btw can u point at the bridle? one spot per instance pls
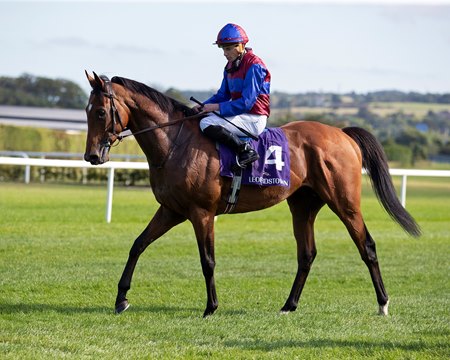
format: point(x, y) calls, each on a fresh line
point(115, 116)
point(110, 94)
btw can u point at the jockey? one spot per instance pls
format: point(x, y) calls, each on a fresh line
point(243, 97)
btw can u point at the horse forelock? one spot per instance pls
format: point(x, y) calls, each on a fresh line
point(164, 102)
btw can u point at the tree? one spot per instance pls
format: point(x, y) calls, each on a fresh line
point(29, 90)
point(416, 141)
point(336, 101)
point(399, 153)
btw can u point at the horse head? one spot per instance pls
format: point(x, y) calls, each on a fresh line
point(107, 116)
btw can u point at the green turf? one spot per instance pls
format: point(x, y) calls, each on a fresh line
point(60, 264)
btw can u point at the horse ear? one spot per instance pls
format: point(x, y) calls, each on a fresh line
point(100, 84)
point(90, 79)
point(96, 82)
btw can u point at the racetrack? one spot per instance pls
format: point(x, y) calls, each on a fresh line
point(60, 264)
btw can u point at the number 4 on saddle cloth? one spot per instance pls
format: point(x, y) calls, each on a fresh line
point(272, 168)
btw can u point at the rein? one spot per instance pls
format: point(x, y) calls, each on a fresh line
point(158, 126)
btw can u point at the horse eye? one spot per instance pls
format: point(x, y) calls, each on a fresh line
point(101, 113)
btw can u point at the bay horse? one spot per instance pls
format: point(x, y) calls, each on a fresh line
point(326, 166)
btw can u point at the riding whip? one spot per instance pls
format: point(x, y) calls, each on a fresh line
point(224, 118)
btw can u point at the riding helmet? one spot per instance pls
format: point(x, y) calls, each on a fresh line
point(231, 34)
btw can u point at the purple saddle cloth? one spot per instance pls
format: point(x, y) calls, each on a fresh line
point(273, 166)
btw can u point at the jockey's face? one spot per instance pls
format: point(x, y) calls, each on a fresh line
point(232, 51)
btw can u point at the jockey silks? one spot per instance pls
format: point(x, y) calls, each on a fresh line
point(248, 88)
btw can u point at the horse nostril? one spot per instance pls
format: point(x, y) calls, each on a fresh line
point(92, 158)
point(95, 159)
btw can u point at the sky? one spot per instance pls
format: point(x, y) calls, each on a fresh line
point(337, 46)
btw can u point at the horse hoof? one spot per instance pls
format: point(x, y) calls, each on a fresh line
point(121, 307)
point(208, 312)
point(286, 309)
point(383, 309)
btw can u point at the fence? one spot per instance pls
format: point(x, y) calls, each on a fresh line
point(112, 165)
point(58, 155)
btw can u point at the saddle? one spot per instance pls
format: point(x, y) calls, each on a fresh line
point(271, 169)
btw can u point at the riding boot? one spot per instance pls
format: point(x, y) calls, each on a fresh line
point(246, 155)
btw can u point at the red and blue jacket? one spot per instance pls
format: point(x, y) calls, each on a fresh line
point(247, 90)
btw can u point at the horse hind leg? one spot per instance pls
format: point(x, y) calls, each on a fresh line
point(369, 256)
point(367, 249)
point(342, 194)
point(304, 205)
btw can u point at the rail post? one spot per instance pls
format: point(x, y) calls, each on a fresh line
point(109, 195)
point(403, 192)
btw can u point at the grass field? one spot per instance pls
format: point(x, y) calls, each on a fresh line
point(60, 263)
point(419, 110)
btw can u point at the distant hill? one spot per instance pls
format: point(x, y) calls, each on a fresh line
point(281, 100)
point(30, 90)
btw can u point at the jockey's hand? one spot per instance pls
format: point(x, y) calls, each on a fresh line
point(198, 108)
point(211, 107)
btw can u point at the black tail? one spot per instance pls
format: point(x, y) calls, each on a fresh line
point(374, 161)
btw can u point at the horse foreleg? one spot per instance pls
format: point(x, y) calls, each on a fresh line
point(304, 206)
point(203, 223)
point(162, 221)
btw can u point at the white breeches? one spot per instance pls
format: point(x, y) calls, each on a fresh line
point(254, 124)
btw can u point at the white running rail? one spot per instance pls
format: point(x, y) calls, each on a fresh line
point(112, 165)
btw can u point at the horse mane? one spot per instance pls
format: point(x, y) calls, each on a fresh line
point(165, 103)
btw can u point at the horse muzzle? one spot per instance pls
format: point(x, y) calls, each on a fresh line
point(98, 156)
